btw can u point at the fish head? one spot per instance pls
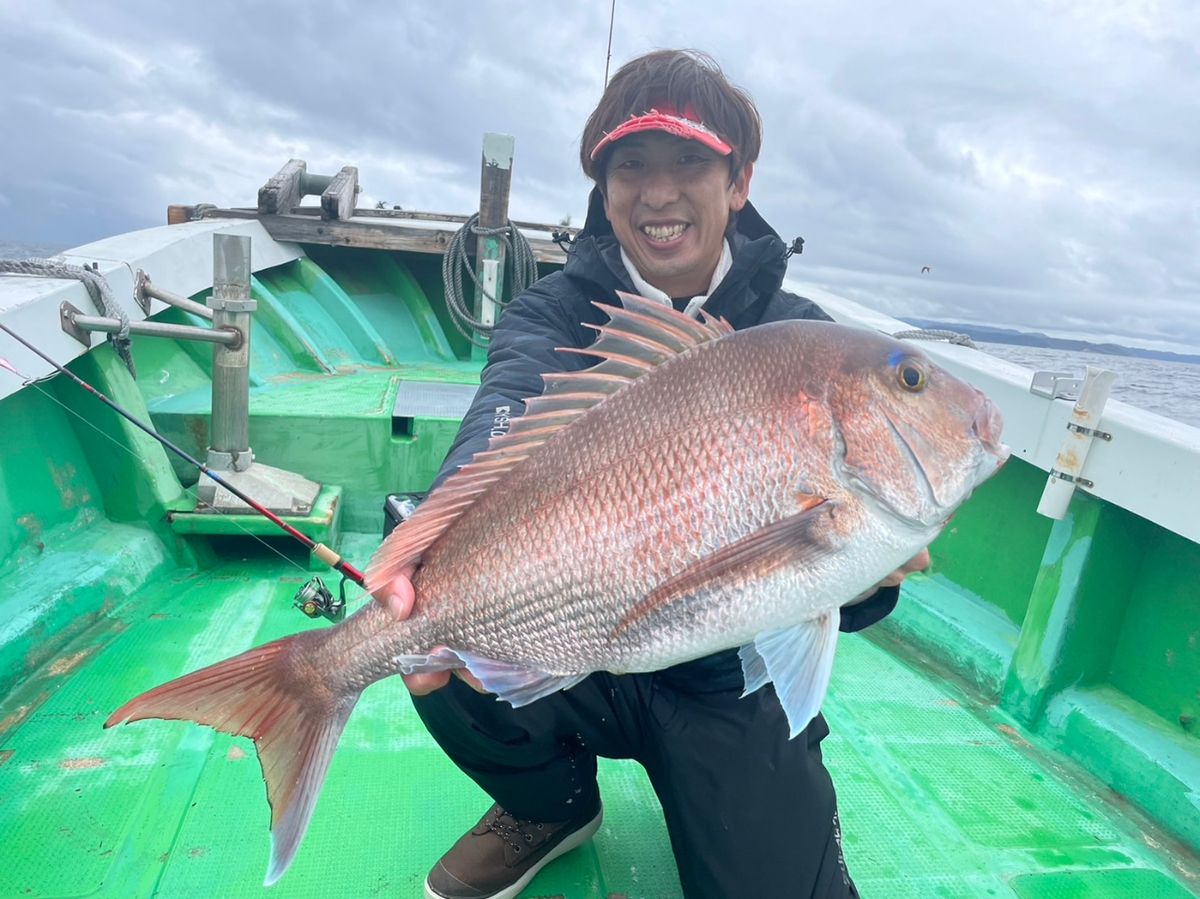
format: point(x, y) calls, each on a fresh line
point(911, 436)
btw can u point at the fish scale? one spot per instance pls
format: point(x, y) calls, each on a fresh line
point(700, 520)
point(697, 490)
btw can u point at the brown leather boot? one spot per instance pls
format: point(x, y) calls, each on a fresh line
point(498, 857)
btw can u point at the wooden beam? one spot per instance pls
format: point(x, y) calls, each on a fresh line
point(380, 235)
point(282, 191)
point(416, 216)
point(495, 181)
point(337, 202)
point(307, 229)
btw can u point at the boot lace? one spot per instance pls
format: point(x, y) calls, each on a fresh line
point(518, 833)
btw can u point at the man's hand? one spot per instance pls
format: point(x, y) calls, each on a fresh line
point(919, 562)
point(398, 598)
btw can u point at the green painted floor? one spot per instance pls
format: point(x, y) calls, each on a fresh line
point(939, 798)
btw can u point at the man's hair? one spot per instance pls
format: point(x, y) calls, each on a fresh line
point(678, 78)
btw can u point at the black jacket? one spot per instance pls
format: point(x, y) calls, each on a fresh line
point(551, 314)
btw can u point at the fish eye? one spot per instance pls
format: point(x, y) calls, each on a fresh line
point(911, 376)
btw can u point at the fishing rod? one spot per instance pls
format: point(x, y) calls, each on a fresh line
point(314, 598)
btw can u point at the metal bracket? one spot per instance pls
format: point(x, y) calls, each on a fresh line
point(66, 315)
point(1062, 475)
point(140, 280)
point(1056, 385)
point(1088, 432)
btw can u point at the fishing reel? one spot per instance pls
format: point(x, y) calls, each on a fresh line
point(315, 600)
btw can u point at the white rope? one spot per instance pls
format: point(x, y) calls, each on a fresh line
point(97, 288)
point(934, 334)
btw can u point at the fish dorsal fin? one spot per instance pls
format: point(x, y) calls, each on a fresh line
point(640, 335)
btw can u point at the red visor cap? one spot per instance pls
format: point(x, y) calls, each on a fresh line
point(684, 124)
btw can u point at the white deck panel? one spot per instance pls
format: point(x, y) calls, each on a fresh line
point(178, 258)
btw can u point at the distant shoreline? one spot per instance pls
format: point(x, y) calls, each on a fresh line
point(989, 334)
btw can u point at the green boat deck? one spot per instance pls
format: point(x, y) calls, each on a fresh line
point(940, 795)
point(1023, 726)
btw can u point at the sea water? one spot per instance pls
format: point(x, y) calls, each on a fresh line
point(1168, 388)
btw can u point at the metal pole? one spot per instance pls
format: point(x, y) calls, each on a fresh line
point(314, 184)
point(75, 321)
point(143, 288)
point(231, 305)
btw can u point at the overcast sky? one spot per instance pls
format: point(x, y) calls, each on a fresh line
point(1043, 158)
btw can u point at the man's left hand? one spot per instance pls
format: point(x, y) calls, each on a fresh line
point(919, 562)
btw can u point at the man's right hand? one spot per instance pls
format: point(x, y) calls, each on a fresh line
point(398, 598)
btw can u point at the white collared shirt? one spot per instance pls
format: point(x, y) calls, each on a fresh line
point(650, 292)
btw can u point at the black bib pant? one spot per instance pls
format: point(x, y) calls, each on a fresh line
point(750, 813)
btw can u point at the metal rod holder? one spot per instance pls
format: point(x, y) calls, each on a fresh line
point(79, 325)
point(231, 306)
point(144, 290)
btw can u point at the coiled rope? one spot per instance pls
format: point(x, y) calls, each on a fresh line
point(97, 288)
point(934, 334)
point(519, 261)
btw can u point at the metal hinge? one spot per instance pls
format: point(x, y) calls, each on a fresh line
point(1056, 385)
point(1088, 432)
point(1062, 475)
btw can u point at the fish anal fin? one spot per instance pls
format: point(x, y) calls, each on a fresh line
point(790, 540)
point(516, 684)
point(799, 661)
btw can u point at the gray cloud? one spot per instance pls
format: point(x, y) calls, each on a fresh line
point(1042, 158)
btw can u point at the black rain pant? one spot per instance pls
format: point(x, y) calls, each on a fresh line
point(750, 813)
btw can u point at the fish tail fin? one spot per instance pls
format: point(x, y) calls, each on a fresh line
point(272, 695)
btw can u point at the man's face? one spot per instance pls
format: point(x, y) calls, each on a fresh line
point(669, 202)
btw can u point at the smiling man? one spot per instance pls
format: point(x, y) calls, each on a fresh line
point(669, 201)
point(671, 148)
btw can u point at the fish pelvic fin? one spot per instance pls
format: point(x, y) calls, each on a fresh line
point(793, 539)
point(640, 335)
point(799, 661)
point(294, 721)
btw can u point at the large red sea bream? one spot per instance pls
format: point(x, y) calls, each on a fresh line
point(699, 489)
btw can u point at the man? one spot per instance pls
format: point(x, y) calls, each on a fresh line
point(671, 147)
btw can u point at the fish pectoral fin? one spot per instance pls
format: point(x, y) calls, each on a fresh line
point(754, 669)
point(799, 661)
point(793, 539)
point(516, 684)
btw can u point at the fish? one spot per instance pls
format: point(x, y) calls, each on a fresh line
point(696, 490)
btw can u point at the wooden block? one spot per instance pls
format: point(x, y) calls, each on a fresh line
point(337, 201)
point(282, 192)
point(177, 215)
point(495, 180)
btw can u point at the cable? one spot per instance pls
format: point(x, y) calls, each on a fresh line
point(519, 259)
